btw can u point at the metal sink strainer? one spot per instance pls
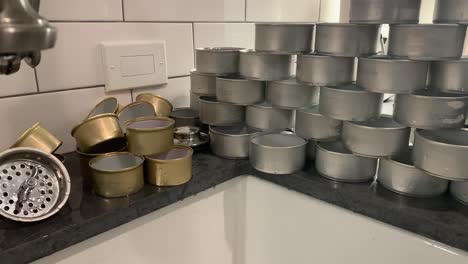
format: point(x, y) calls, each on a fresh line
point(34, 185)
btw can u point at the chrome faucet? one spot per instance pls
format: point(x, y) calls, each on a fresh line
point(23, 34)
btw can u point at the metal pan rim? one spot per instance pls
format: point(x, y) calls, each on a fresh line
point(219, 49)
point(112, 154)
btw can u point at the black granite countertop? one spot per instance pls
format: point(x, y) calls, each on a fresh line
point(87, 215)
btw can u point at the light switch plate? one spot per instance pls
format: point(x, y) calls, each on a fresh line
point(134, 64)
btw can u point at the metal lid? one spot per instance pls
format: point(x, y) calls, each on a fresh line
point(189, 136)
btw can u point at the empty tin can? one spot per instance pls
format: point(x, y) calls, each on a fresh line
point(382, 74)
point(322, 70)
point(231, 142)
point(426, 41)
point(38, 137)
point(202, 83)
point(219, 60)
point(239, 91)
point(443, 153)
point(399, 175)
point(346, 40)
point(381, 137)
point(290, 94)
point(384, 11)
point(277, 37)
point(107, 106)
point(459, 190)
point(133, 111)
point(266, 66)
point(185, 116)
point(350, 102)
point(195, 101)
point(162, 106)
point(335, 162)
point(451, 11)
point(310, 124)
point(449, 76)
point(217, 113)
point(277, 153)
point(150, 135)
point(265, 117)
point(430, 109)
point(170, 168)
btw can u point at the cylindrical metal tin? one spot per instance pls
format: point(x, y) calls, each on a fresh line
point(384, 11)
point(459, 190)
point(117, 174)
point(277, 37)
point(133, 111)
point(426, 41)
point(86, 157)
point(350, 102)
point(431, 109)
point(185, 116)
point(217, 113)
point(190, 136)
point(449, 76)
point(451, 11)
point(310, 124)
point(381, 137)
point(107, 106)
point(265, 66)
point(335, 162)
point(398, 174)
point(346, 40)
point(322, 70)
point(38, 137)
point(170, 168)
point(277, 153)
point(290, 94)
point(443, 153)
point(382, 74)
point(223, 60)
point(150, 135)
point(231, 142)
point(195, 101)
point(266, 117)
point(98, 134)
point(239, 91)
point(202, 83)
point(162, 106)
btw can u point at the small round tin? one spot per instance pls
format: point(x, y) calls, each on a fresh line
point(449, 76)
point(217, 113)
point(170, 168)
point(265, 117)
point(133, 111)
point(310, 124)
point(451, 12)
point(322, 70)
point(218, 60)
point(290, 94)
point(185, 116)
point(195, 101)
point(266, 66)
point(38, 137)
point(202, 83)
point(239, 91)
point(150, 135)
point(162, 106)
point(109, 105)
point(384, 11)
point(231, 142)
point(277, 37)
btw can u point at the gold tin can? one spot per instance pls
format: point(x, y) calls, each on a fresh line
point(98, 134)
point(162, 106)
point(170, 168)
point(107, 106)
point(133, 111)
point(117, 174)
point(150, 135)
point(86, 157)
point(38, 137)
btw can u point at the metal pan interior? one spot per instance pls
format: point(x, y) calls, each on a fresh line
point(233, 130)
point(281, 141)
point(434, 94)
point(135, 110)
point(184, 113)
point(116, 163)
point(173, 154)
point(106, 106)
point(384, 122)
point(335, 147)
point(455, 138)
point(220, 49)
point(150, 124)
point(208, 99)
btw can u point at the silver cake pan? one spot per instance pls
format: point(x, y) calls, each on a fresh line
point(459, 190)
point(231, 142)
point(335, 162)
point(277, 37)
point(266, 66)
point(290, 94)
point(310, 124)
point(384, 11)
point(195, 101)
point(218, 60)
point(382, 74)
point(266, 117)
point(449, 76)
point(202, 83)
point(216, 113)
point(322, 70)
point(239, 91)
point(350, 103)
point(451, 12)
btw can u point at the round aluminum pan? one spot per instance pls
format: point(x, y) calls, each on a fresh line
point(346, 40)
point(133, 111)
point(443, 153)
point(426, 41)
point(449, 76)
point(195, 101)
point(398, 174)
point(266, 117)
point(203, 83)
point(322, 70)
point(290, 94)
point(217, 113)
point(109, 105)
point(38, 137)
point(185, 116)
point(384, 11)
point(162, 106)
point(430, 109)
point(310, 124)
point(277, 37)
point(277, 153)
point(117, 174)
point(231, 142)
point(335, 162)
point(459, 190)
point(451, 12)
point(381, 137)
point(382, 74)
point(350, 103)
point(239, 91)
point(150, 135)
point(170, 168)
point(265, 66)
point(219, 60)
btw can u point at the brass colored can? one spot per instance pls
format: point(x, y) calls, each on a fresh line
point(86, 157)
point(162, 107)
point(150, 135)
point(107, 106)
point(170, 168)
point(117, 174)
point(38, 137)
point(98, 134)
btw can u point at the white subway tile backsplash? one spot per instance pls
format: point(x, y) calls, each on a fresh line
point(59, 112)
point(283, 11)
point(224, 35)
point(184, 10)
point(82, 10)
point(177, 91)
point(75, 61)
point(21, 82)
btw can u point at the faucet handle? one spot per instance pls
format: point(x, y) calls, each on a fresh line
point(10, 63)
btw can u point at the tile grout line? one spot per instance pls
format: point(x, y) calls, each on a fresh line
point(193, 43)
point(320, 11)
point(245, 10)
point(144, 22)
point(123, 10)
point(37, 80)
